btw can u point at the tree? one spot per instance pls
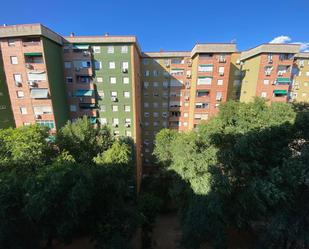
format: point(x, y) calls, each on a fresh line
point(236, 175)
point(83, 140)
point(26, 146)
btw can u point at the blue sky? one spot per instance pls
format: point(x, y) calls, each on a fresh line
point(169, 24)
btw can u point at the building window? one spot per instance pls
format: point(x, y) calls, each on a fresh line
point(127, 108)
point(263, 94)
point(112, 65)
point(147, 73)
point(96, 49)
point(125, 80)
point(155, 84)
point(11, 42)
point(201, 105)
point(155, 123)
point(115, 122)
point(155, 105)
point(237, 72)
point(69, 80)
point(266, 82)
point(124, 49)
point(125, 65)
point(23, 110)
point(236, 83)
point(102, 108)
point(115, 108)
point(49, 123)
point(40, 110)
point(146, 114)
point(220, 82)
point(146, 84)
point(112, 80)
point(155, 73)
point(205, 68)
point(97, 65)
point(146, 105)
point(114, 94)
point(155, 114)
point(204, 81)
point(103, 121)
point(221, 71)
point(67, 64)
point(128, 133)
point(145, 61)
point(218, 96)
point(185, 115)
point(165, 84)
point(20, 94)
point(126, 94)
point(17, 78)
point(73, 108)
point(99, 79)
point(14, 60)
point(110, 49)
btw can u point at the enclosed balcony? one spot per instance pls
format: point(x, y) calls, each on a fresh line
point(34, 58)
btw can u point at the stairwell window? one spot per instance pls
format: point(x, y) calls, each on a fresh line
point(96, 49)
point(110, 49)
point(124, 49)
point(112, 80)
point(112, 65)
point(23, 110)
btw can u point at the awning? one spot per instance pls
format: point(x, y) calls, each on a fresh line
point(33, 54)
point(39, 93)
point(204, 77)
point(281, 92)
point(283, 80)
point(87, 105)
point(80, 46)
point(93, 120)
point(84, 93)
point(36, 71)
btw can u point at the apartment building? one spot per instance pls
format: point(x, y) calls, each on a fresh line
point(300, 86)
point(267, 72)
point(49, 79)
point(31, 55)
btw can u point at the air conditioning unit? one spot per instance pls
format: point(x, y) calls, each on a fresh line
point(29, 66)
point(301, 64)
point(280, 73)
point(86, 53)
point(114, 99)
point(167, 65)
point(190, 63)
point(188, 75)
point(17, 83)
point(222, 60)
point(38, 116)
point(221, 73)
point(32, 83)
point(187, 98)
point(270, 61)
point(218, 98)
point(267, 73)
point(127, 125)
point(115, 125)
point(124, 70)
point(274, 82)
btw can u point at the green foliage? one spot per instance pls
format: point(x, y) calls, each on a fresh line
point(118, 153)
point(240, 169)
point(65, 194)
point(26, 146)
point(82, 140)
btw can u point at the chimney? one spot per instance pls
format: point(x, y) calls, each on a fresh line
point(72, 34)
point(106, 34)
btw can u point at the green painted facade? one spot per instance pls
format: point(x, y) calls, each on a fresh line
point(6, 114)
point(54, 61)
point(105, 103)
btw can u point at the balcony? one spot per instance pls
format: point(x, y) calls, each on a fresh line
point(31, 42)
point(33, 58)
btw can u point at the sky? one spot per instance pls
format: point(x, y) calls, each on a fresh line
point(170, 24)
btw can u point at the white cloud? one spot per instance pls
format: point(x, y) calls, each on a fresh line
point(281, 39)
point(304, 46)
